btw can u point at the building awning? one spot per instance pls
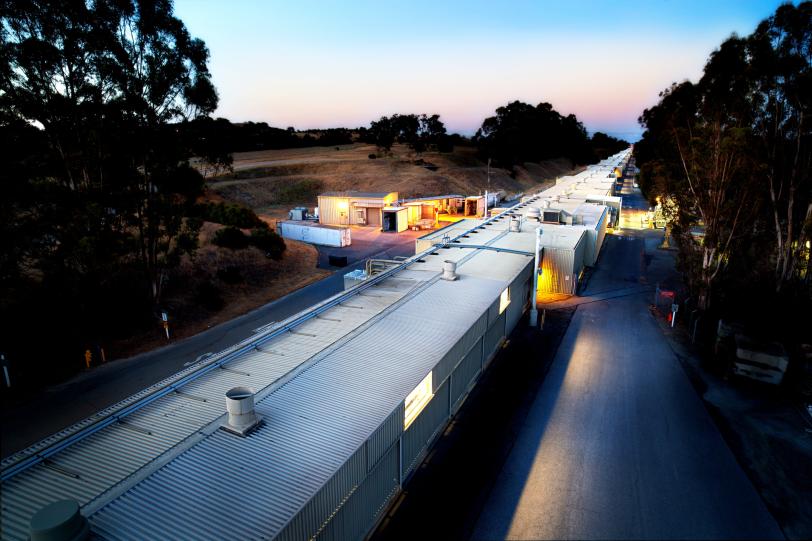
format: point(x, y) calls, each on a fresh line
point(369, 203)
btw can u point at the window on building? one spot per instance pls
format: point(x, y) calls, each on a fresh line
point(504, 300)
point(417, 400)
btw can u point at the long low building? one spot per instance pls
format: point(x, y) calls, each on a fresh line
point(349, 396)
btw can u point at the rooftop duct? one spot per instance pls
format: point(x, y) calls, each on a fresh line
point(240, 406)
point(515, 225)
point(59, 521)
point(449, 271)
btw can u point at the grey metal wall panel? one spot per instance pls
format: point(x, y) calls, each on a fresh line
point(493, 312)
point(417, 437)
point(465, 372)
point(364, 506)
point(384, 437)
point(519, 296)
point(559, 272)
point(314, 515)
point(494, 335)
point(458, 351)
point(602, 225)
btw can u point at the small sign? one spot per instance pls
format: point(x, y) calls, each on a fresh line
point(164, 316)
point(674, 308)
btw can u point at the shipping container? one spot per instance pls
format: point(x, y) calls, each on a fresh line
point(313, 233)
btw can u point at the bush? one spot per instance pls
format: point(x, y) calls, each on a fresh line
point(230, 214)
point(231, 275)
point(230, 237)
point(269, 242)
point(372, 156)
point(208, 296)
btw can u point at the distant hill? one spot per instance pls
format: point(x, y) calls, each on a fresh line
point(272, 181)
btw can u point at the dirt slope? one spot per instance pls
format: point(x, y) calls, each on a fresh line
point(273, 181)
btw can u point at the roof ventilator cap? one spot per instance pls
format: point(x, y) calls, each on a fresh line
point(59, 521)
point(241, 415)
point(449, 270)
point(515, 225)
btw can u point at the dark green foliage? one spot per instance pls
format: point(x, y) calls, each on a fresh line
point(230, 237)
point(95, 206)
point(269, 242)
point(217, 138)
point(230, 214)
point(732, 154)
point(208, 296)
point(605, 145)
point(372, 156)
point(230, 275)
point(523, 133)
point(419, 132)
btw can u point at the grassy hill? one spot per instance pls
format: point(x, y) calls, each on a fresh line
point(273, 181)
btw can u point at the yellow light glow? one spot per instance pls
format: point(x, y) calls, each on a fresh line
point(343, 205)
point(504, 300)
point(417, 400)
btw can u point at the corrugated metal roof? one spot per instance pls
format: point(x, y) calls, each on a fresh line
point(313, 424)
point(323, 387)
point(433, 198)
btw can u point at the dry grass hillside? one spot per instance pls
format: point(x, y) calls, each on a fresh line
point(273, 181)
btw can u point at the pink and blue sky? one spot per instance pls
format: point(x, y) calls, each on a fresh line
point(318, 64)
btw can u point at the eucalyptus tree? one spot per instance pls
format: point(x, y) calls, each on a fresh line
point(108, 81)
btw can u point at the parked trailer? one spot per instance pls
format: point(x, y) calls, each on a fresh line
point(313, 233)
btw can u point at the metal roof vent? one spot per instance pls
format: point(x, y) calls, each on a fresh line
point(449, 270)
point(515, 225)
point(534, 213)
point(59, 521)
point(241, 416)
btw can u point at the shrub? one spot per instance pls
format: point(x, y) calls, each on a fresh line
point(208, 296)
point(269, 242)
point(230, 237)
point(372, 156)
point(230, 214)
point(230, 274)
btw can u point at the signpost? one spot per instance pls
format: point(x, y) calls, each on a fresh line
point(4, 362)
point(165, 318)
point(674, 308)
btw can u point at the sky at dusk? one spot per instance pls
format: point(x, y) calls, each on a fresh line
point(319, 64)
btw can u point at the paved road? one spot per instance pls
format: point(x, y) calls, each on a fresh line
point(617, 444)
point(46, 412)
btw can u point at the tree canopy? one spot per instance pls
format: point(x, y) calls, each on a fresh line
point(94, 100)
point(732, 154)
point(419, 132)
point(520, 132)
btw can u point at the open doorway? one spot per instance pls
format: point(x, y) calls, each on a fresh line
point(390, 222)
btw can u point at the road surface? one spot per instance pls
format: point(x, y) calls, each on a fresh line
point(617, 445)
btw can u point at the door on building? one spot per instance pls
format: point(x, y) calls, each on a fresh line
point(374, 217)
point(361, 216)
